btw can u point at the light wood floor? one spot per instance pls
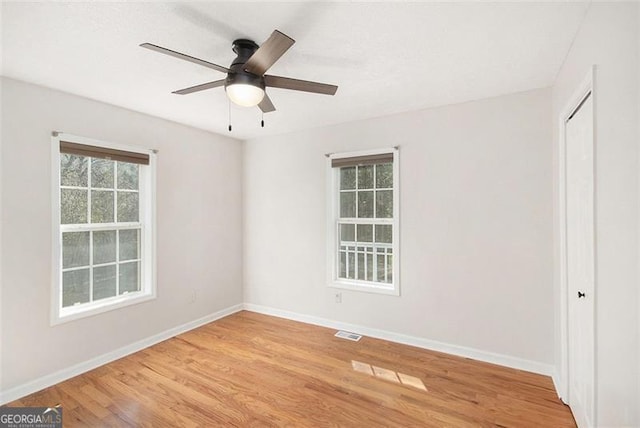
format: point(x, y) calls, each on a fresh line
point(254, 370)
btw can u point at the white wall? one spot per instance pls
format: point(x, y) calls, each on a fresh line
point(476, 225)
point(199, 229)
point(608, 38)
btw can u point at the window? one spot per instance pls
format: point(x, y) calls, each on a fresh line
point(363, 221)
point(104, 226)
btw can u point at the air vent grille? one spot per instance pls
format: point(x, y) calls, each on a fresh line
point(348, 335)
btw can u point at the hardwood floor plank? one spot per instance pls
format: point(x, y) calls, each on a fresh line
point(249, 370)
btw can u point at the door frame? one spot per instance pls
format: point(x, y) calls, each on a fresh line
point(586, 88)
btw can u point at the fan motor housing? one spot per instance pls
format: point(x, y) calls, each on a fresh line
point(244, 48)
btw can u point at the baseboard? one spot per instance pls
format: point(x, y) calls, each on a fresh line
point(555, 377)
point(475, 354)
point(75, 370)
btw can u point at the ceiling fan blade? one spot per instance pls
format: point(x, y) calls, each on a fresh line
point(299, 85)
point(202, 87)
point(185, 57)
point(267, 54)
point(266, 105)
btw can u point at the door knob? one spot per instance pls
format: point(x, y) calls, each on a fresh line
point(580, 294)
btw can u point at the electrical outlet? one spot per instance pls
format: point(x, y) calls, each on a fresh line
point(338, 296)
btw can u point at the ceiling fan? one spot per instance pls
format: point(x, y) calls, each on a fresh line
point(246, 82)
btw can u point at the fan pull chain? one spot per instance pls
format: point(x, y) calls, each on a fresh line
point(262, 121)
point(229, 115)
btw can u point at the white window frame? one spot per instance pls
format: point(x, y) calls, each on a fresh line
point(147, 207)
point(333, 215)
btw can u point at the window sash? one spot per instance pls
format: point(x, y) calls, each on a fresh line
point(89, 188)
point(358, 247)
point(91, 266)
point(89, 227)
point(356, 191)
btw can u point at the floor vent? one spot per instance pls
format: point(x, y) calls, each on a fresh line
point(347, 335)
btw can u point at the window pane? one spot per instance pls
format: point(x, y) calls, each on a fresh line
point(361, 266)
point(370, 267)
point(75, 249)
point(365, 177)
point(343, 265)
point(75, 287)
point(384, 204)
point(365, 233)
point(101, 206)
point(73, 170)
point(347, 232)
point(347, 204)
point(384, 233)
point(127, 206)
point(73, 207)
point(389, 268)
point(104, 282)
point(365, 204)
point(128, 175)
point(129, 277)
point(351, 267)
point(384, 175)
point(380, 268)
point(348, 178)
point(129, 244)
point(102, 173)
point(104, 246)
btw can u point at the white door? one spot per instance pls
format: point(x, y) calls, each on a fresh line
point(580, 262)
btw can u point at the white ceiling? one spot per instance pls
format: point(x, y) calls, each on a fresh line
point(386, 57)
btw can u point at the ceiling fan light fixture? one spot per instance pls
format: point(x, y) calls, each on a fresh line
point(245, 94)
point(246, 79)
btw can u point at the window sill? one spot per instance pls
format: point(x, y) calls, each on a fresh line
point(391, 289)
point(60, 316)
